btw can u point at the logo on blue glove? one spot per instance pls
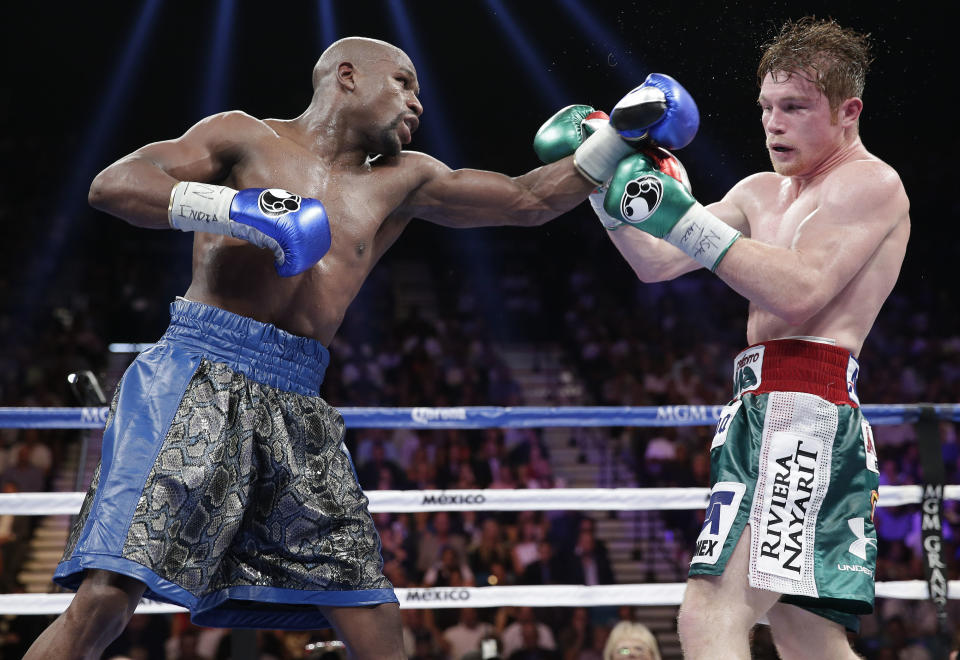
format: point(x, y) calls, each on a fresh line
point(641, 197)
point(277, 202)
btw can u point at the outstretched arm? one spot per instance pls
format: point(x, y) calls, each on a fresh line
point(477, 198)
point(659, 110)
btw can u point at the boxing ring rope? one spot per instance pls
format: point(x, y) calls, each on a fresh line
point(478, 417)
point(553, 499)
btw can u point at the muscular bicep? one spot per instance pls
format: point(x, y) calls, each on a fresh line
point(478, 198)
point(206, 152)
point(186, 159)
point(137, 187)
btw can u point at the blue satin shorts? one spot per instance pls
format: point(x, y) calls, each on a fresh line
point(224, 483)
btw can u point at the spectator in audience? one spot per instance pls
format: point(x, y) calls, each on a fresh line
point(547, 569)
point(513, 635)
point(27, 476)
point(14, 539)
point(436, 536)
point(449, 571)
point(577, 637)
point(491, 549)
point(421, 638)
point(530, 532)
point(380, 473)
point(631, 641)
point(466, 635)
point(530, 646)
point(591, 563)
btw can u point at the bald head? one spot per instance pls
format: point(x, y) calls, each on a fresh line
point(356, 51)
point(365, 90)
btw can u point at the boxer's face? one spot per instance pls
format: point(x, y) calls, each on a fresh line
point(394, 103)
point(801, 130)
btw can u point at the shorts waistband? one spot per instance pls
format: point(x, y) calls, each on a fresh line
point(260, 351)
point(797, 365)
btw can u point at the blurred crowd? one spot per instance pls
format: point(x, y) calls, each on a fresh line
point(630, 344)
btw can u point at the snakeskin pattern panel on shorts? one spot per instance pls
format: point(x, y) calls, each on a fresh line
point(252, 486)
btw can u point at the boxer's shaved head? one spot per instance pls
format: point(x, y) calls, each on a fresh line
point(356, 51)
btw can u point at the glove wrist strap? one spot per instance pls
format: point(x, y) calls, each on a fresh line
point(598, 156)
point(703, 236)
point(201, 207)
point(607, 220)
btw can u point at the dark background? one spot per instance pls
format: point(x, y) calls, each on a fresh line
point(73, 279)
point(483, 102)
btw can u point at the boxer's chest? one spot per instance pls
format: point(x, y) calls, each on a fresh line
point(781, 219)
point(357, 202)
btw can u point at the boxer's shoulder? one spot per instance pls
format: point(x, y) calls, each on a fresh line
point(412, 167)
point(236, 121)
point(869, 174)
point(756, 191)
point(231, 130)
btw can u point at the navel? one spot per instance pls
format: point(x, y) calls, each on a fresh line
point(361, 248)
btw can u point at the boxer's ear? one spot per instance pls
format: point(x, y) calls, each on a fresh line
point(849, 111)
point(346, 76)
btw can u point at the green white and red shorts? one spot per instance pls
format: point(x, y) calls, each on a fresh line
point(794, 458)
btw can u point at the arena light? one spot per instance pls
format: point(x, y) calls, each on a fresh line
point(535, 65)
point(473, 248)
point(631, 71)
point(90, 157)
point(435, 131)
point(328, 23)
point(619, 55)
point(215, 80)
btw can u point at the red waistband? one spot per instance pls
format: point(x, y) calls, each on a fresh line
point(797, 365)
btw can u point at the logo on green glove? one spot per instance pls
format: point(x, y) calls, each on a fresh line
point(641, 197)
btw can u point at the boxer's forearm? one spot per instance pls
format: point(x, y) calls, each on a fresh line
point(652, 259)
point(478, 198)
point(135, 190)
point(776, 279)
point(551, 190)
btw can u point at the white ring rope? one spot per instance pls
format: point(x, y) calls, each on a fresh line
point(556, 499)
point(546, 499)
point(531, 499)
point(557, 595)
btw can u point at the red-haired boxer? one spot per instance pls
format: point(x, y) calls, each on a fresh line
point(816, 246)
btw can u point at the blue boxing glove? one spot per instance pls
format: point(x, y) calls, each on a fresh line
point(635, 117)
point(660, 111)
point(294, 228)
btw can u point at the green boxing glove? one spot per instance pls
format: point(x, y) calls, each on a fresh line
point(650, 191)
point(562, 135)
point(565, 131)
